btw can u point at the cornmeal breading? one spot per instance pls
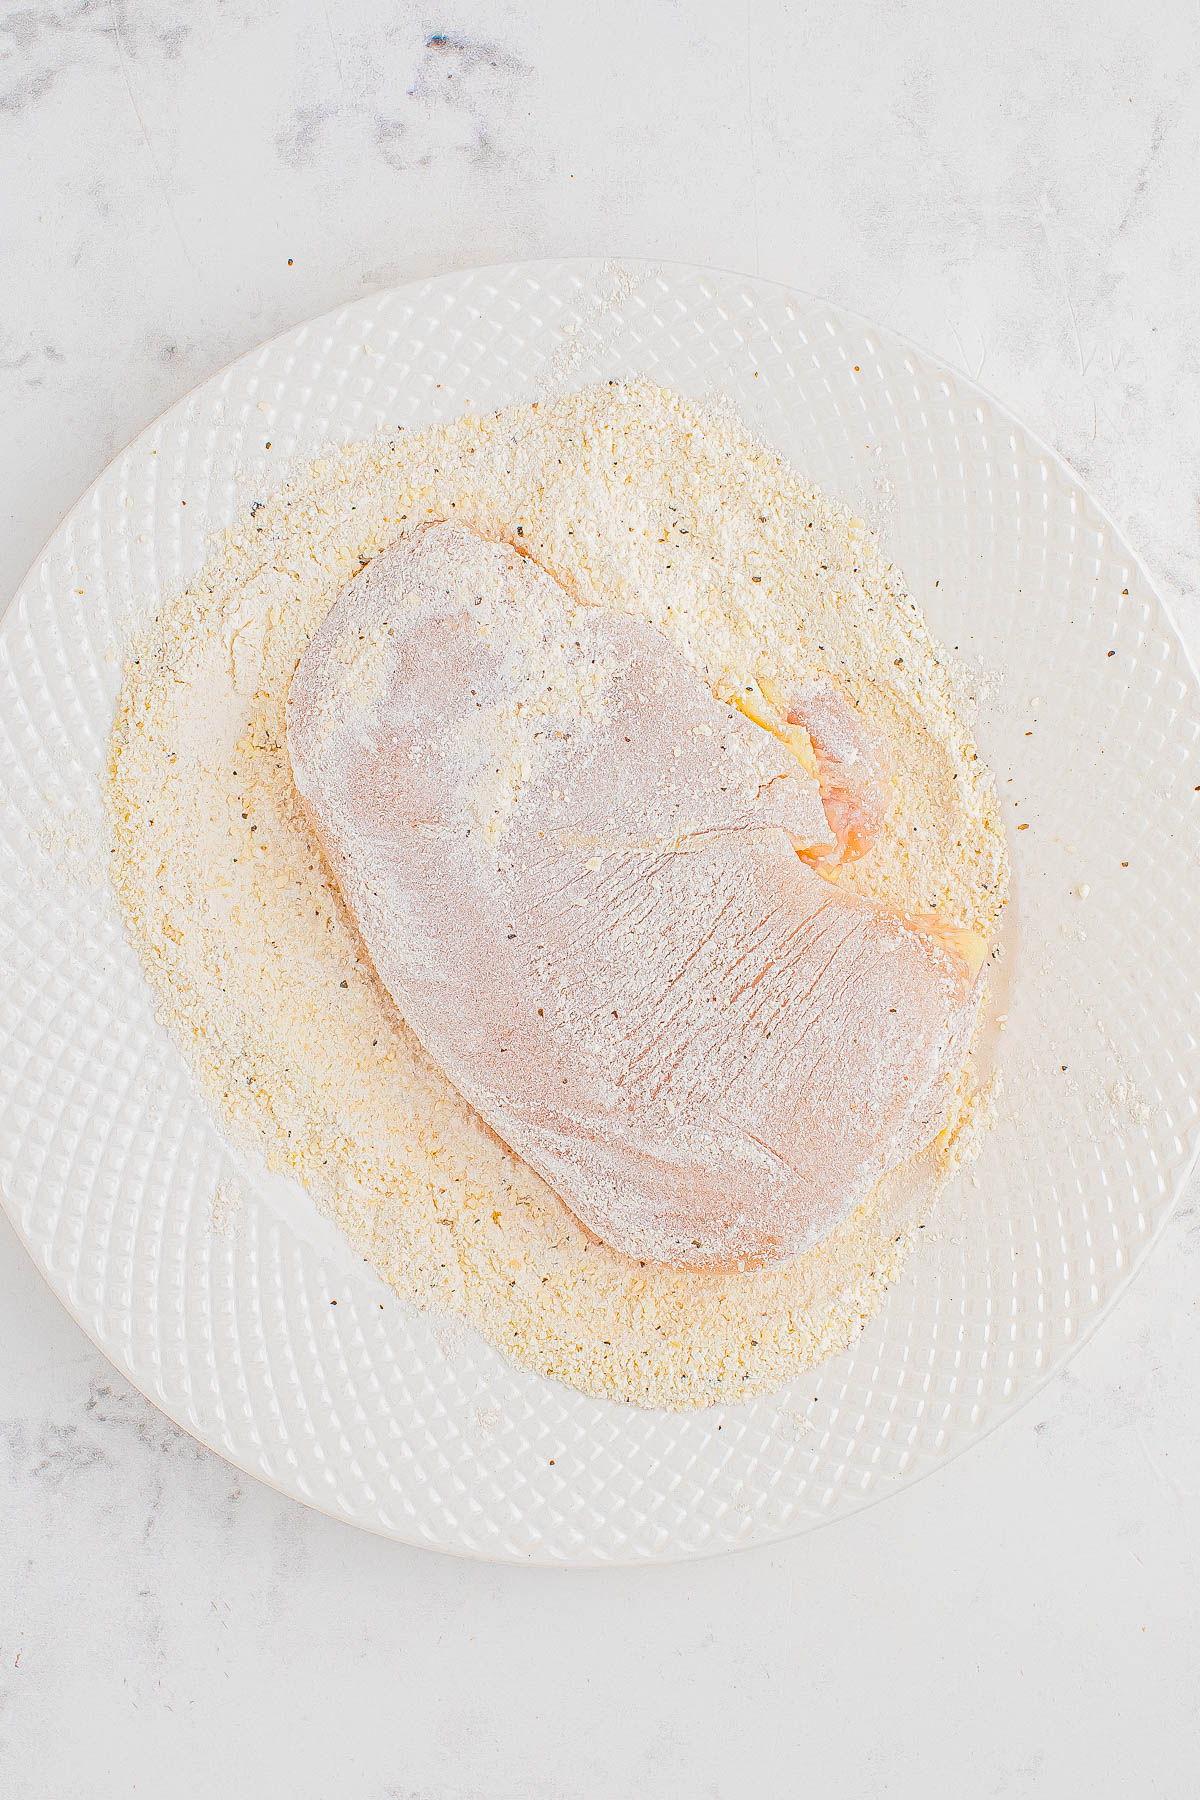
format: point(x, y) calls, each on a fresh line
point(645, 502)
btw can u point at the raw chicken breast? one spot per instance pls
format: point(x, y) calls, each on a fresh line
point(576, 873)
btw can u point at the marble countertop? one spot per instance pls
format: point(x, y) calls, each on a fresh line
point(1014, 189)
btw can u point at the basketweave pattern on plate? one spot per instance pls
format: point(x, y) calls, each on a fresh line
point(109, 1161)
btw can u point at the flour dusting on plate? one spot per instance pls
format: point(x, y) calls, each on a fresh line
point(639, 500)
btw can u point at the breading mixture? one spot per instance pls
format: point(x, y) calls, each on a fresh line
point(644, 502)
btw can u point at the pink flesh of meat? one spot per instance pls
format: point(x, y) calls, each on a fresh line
point(605, 935)
point(852, 766)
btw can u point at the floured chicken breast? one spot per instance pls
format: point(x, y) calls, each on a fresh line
point(600, 897)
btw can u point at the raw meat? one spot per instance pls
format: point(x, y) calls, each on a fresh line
point(577, 874)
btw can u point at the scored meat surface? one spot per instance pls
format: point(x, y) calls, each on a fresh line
point(576, 873)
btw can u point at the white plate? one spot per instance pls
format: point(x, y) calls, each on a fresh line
point(108, 1160)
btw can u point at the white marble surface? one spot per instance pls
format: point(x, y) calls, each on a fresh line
point(1016, 190)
